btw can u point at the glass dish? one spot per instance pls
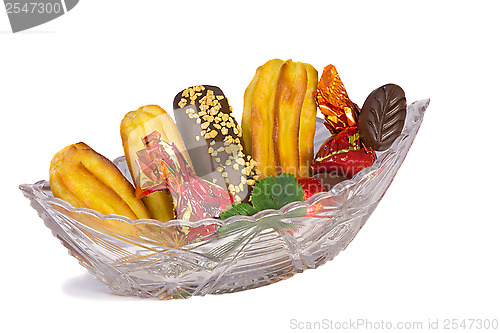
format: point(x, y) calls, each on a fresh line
point(147, 258)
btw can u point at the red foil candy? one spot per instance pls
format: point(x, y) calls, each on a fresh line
point(149, 164)
point(310, 186)
point(343, 154)
point(199, 233)
point(161, 164)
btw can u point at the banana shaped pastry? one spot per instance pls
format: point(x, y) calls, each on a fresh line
point(86, 179)
point(307, 126)
point(247, 112)
point(263, 118)
point(214, 139)
point(279, 117)
point(133, 128)
point(292, 85)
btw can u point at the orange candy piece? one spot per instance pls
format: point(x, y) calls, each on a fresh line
point(339, 111)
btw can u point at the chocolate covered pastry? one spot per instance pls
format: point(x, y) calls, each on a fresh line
point(214, 139)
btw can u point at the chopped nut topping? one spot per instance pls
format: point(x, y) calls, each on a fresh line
point(208, 118)
point(211, 135)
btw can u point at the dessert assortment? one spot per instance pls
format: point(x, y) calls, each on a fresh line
point(205, 165)
point(202, 205)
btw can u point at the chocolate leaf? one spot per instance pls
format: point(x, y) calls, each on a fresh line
point(382, 117)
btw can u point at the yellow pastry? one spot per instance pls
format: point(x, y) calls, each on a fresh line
point(292, 85)
point(279, 117)
point(134, 126)
point(86, 179)
point(308, 122)
point(262, 120)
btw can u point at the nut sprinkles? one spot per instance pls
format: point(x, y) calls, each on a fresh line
point(208, 108)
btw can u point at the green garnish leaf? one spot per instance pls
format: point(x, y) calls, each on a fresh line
point(269, 193)
point(238, 209)
point(276, 192)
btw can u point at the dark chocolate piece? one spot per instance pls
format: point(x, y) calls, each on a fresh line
point(329, 179)
point(382, 117)
point(213, 139)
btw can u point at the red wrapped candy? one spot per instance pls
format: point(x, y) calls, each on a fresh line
point(310, 186)
point(161, 164)
point(343, 154)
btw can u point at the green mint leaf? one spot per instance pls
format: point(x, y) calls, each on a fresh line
point(269, 193)
point(276, 192)
point(238, 209)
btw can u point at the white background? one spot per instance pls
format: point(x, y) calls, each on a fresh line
point(430, 250)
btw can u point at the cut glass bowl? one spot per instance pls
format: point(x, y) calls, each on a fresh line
point(145, 257)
